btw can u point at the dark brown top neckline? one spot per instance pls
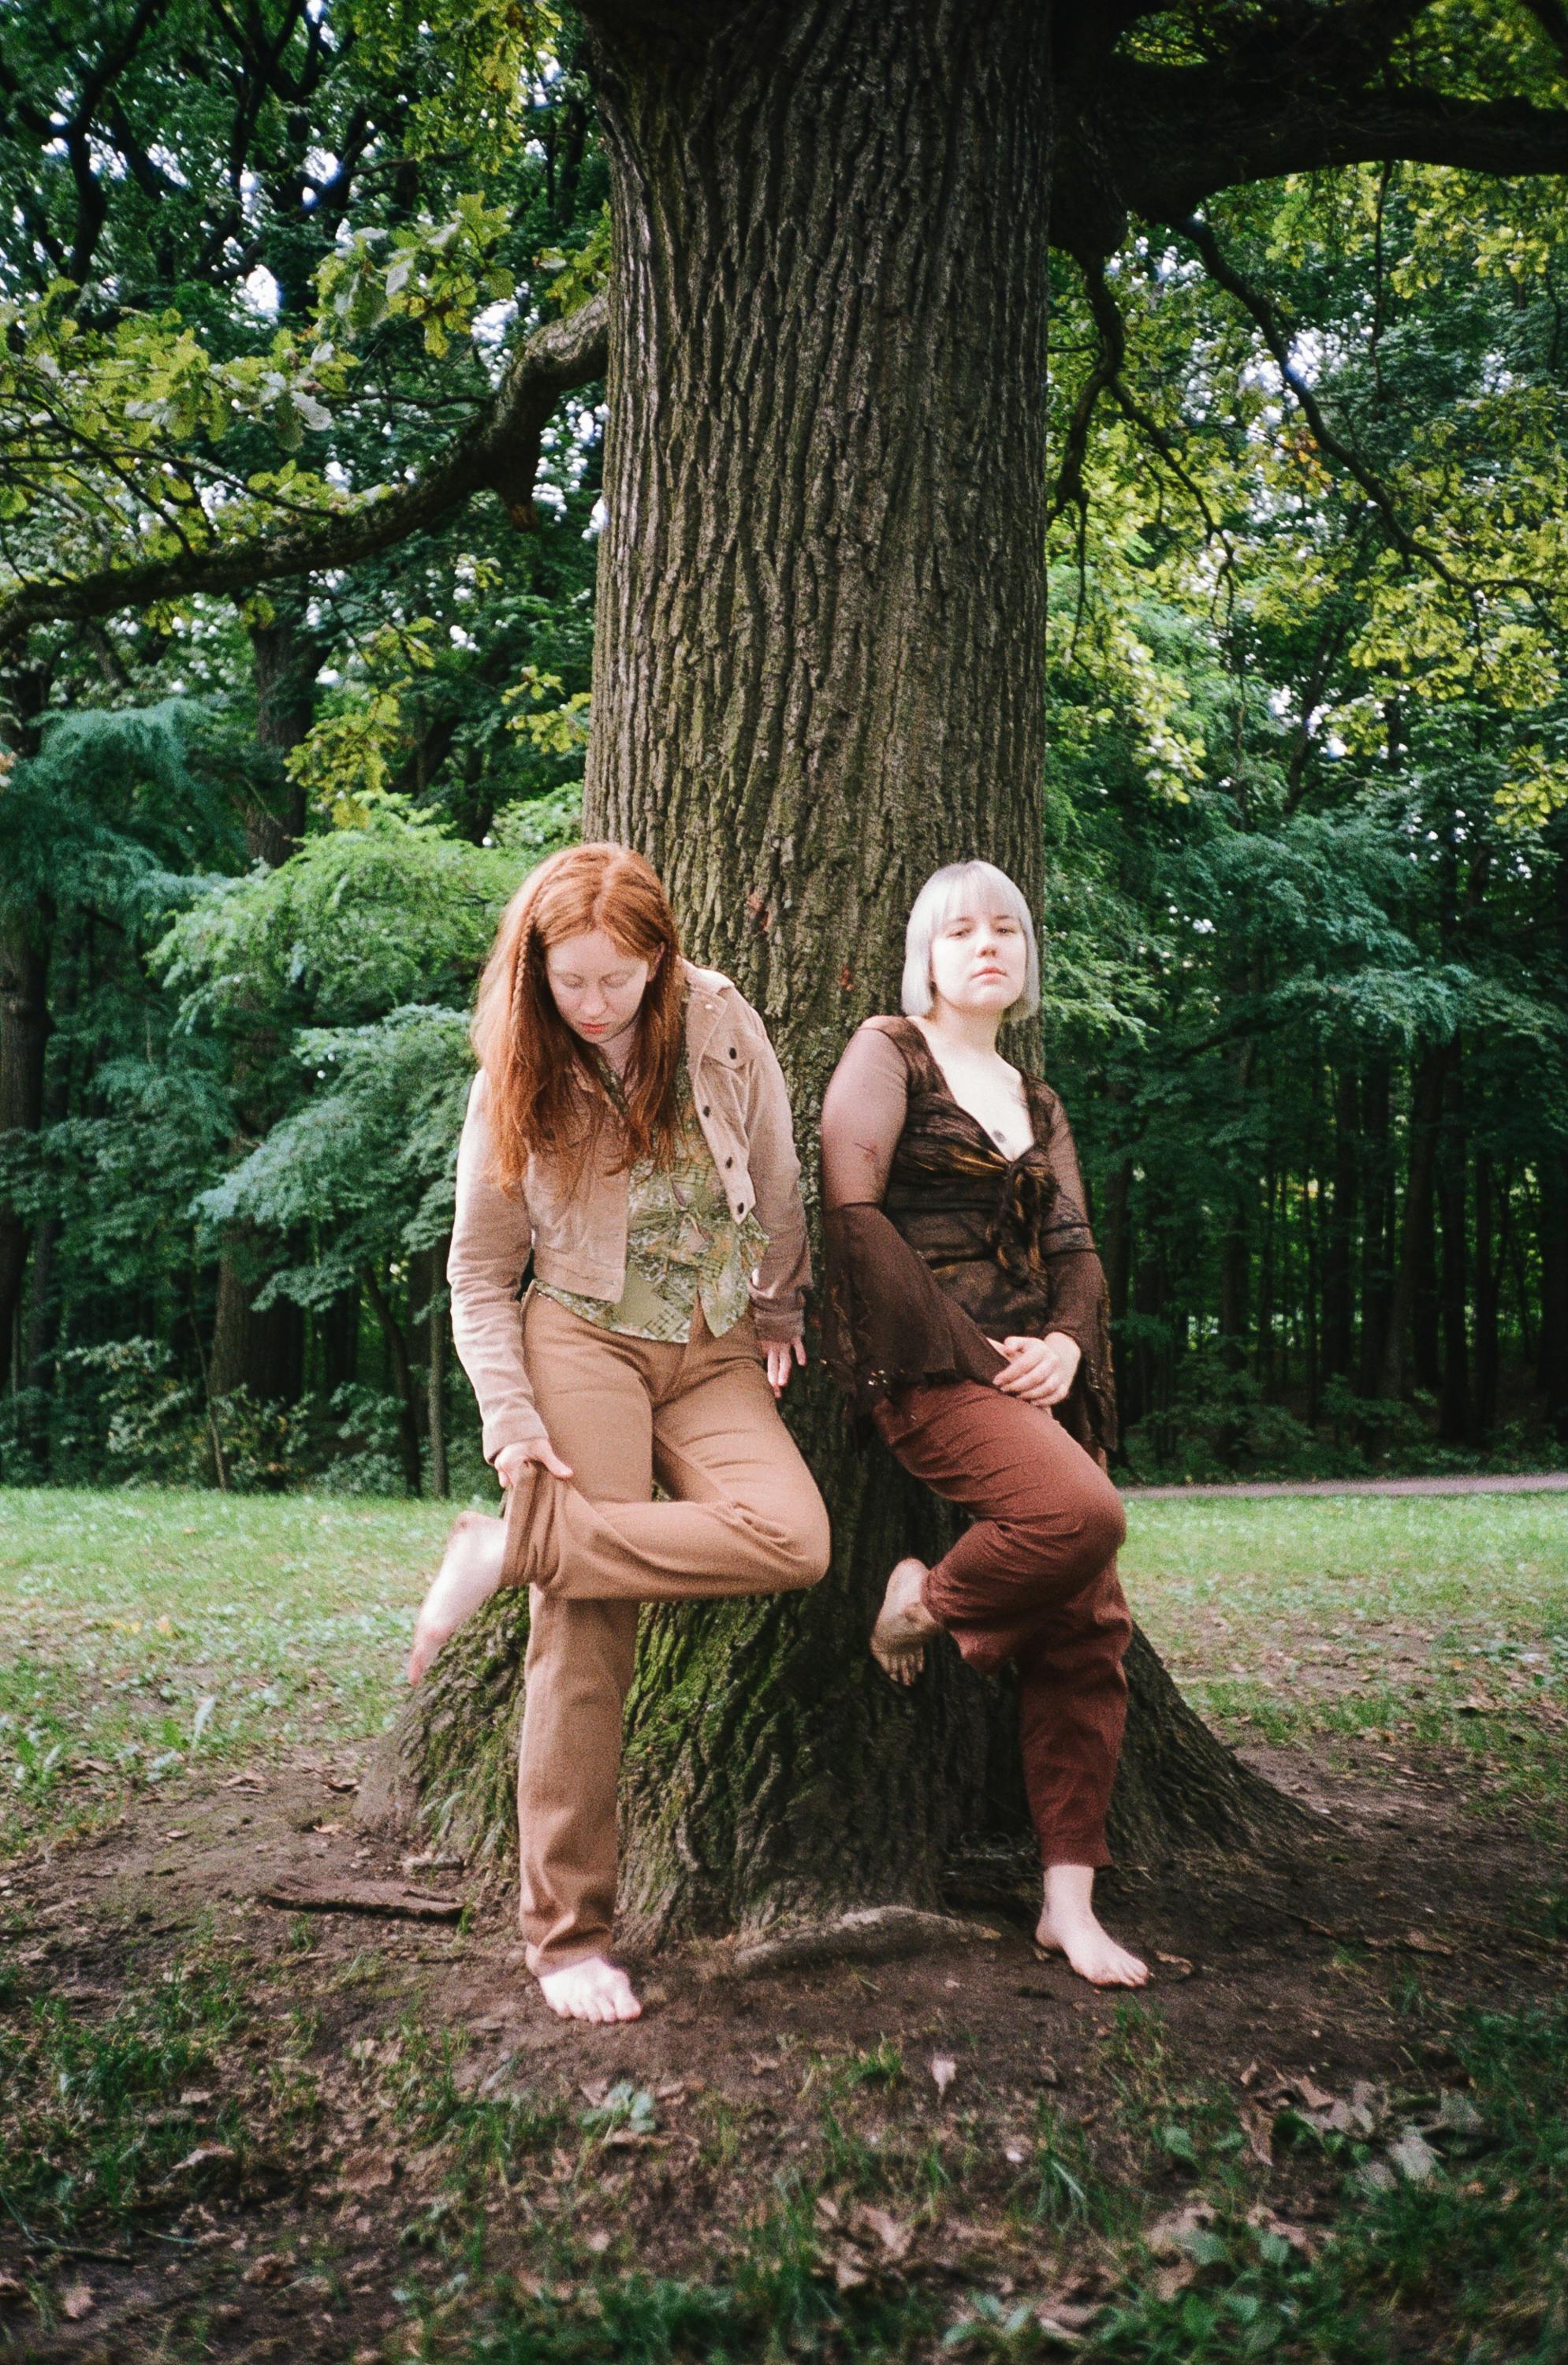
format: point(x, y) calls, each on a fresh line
point(1034, 1086)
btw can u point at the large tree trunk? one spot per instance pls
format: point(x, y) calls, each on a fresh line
point(819, 673)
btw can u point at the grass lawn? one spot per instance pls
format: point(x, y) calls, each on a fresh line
point(136, 1616)
point(129, 1610)
point(1439, 1621)
point(1330, 2132)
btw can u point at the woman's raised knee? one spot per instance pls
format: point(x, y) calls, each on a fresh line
point(808, 1546)
point(1108, 1522)
point(1078, 1539)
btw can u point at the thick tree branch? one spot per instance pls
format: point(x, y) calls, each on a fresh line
point(1069, 485)
point(499, 452)
point(1256, 305)
point(1192, 135)
point(1158, 140)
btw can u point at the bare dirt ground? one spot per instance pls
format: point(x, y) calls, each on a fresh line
point(304, 2215)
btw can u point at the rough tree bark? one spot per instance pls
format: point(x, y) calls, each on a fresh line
point(819, 672)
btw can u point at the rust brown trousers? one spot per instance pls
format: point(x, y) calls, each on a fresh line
point(1033, 1580)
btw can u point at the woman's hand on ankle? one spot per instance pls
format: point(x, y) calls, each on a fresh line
point(512, 1461)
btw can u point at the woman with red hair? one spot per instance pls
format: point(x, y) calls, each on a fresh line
point(629, 1134)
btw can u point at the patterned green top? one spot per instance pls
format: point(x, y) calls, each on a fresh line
point(683, 1246)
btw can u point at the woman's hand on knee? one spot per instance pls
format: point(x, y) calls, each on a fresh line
point(1039, 1371)
point(780, 1359)
point(513, 1460)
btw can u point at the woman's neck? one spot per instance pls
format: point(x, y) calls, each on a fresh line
point(971, 1031)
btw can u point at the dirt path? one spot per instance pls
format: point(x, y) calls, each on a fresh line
point(1529, 1481)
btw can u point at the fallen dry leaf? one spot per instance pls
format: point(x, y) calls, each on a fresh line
point(1070, 2316)
point(1171, 2236)
point(11, 2286)
point(270, 2268)
point(894, 2234)
point(1177, 1964)
point(1259, 2126)
point(1313, 2096)
point(206, 2155)
point(1254, 2071)
point(1421, 1941)
point(343, 1782)
point(244, 1782)
point(1170, 2282)
point(1414, 2158)
point(944, 2069)
point(76, 2304)
point(1263, 2219)
point(847, 2271)
point(599, 2242)
point(193, 2097)
point(370, 2170)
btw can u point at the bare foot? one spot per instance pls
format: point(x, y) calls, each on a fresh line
point(1069, 1926)
point(904, 1625)
point(593, 1990)
point(469, 1573)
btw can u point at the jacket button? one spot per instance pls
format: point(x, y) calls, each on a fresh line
point(728, 1161)
point(732, 1050)
point(705, 1110)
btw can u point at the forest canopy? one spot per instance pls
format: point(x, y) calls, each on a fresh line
point(302, 419)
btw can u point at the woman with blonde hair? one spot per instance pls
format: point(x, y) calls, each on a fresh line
point(629, 1134)
point(967, 1319)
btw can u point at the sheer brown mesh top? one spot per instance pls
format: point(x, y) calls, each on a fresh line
point(936, 1239)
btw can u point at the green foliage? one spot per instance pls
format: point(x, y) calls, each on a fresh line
point(438, 274)
point(359, 922)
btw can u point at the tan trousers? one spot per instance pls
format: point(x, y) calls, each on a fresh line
point(746, 1517)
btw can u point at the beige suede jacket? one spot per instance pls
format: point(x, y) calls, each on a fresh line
point(579, 1242)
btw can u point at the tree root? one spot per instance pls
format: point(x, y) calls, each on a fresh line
point(873, 1934)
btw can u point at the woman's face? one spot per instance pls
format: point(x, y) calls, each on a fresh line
point(980, 960)
point(598, 988)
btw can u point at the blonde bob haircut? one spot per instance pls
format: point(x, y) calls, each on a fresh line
point(956, 887)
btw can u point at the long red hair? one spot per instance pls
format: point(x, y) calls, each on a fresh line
point(543, 1100)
